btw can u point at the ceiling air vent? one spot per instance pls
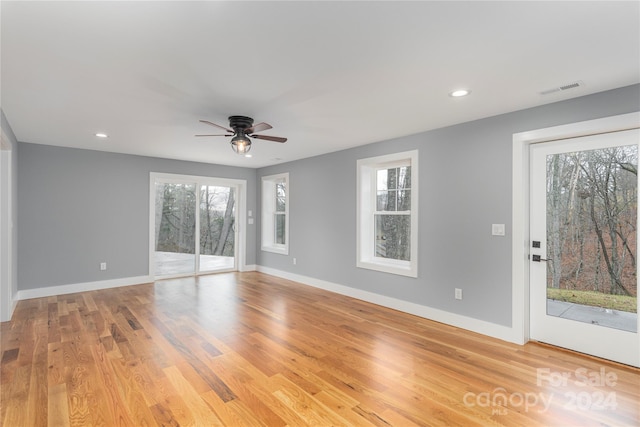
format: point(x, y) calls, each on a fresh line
point(562, 88)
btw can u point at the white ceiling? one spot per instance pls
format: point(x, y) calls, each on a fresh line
point(326, 75)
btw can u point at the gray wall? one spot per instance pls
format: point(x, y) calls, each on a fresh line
point(465, 186)
point(80, 207)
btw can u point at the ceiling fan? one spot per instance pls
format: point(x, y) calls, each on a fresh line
point(241, 129)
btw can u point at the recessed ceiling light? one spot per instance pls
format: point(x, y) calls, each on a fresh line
point(248, 155)
point(459, 92)
point(101, 135)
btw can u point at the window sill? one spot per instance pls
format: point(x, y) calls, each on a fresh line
point(282, 250)
point(399, 268)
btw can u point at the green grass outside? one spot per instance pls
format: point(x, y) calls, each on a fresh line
point(594, 299)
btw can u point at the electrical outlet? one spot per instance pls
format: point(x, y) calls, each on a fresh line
point(295, 261)
point(458, 293)
point(103, 266)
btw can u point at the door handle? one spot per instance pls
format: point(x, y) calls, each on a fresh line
point(538, 258)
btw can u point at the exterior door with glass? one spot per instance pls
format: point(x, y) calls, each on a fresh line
point(583, 237)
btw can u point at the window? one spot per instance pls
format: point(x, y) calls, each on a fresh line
point(388, 213)
point(275, 213)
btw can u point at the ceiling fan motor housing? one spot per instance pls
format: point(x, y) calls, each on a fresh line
point(240, 122)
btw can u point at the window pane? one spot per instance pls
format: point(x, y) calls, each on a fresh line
point(381, 180)
point(404, 200)
point(387, 179)
point(392, 178)
point(386, 201)
point(280, 237)
point(392, 237)
point(404, 177)
point(281, 196)
point(381, 200)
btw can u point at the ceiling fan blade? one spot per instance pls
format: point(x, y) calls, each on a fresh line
point(269, 138)
point(258, 127)
point(216, 135)
point(218, 126)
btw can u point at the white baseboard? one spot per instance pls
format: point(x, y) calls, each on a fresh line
point(80, 287)
point(89, 286)
point(482, 327)
point(14, 303)
point(7, 309)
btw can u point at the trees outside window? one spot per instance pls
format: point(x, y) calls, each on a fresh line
point(217, 219)
point(592, 203)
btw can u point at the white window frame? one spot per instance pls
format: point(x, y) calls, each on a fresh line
point(269, 213)
point(366, 210)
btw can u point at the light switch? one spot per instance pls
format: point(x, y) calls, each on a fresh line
point(250, 213)
point(250, 221)
point(497, 230)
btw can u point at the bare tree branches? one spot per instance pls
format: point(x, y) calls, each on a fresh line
point(591, 219)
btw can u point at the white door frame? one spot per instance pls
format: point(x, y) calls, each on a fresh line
point(520, 200)
point(241, 203)
point(6, 229)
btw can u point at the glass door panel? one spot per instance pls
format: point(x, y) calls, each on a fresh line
point(217, 228)
point(592, 200)
point(175, 225)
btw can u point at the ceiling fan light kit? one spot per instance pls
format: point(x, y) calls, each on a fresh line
point(241, 144)
point(242, 128)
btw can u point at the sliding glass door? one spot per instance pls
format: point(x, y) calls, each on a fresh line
point(195, 227)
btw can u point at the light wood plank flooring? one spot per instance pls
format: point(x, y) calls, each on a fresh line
point(250, 349)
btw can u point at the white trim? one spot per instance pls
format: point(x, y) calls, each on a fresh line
point(7, 300)
point(91, 286)
point(520, 207)
point(81, 287)
point(14, 304)
point(366, 208)
point(482, 327)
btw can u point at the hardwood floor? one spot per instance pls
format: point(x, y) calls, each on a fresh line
point(250, 349)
